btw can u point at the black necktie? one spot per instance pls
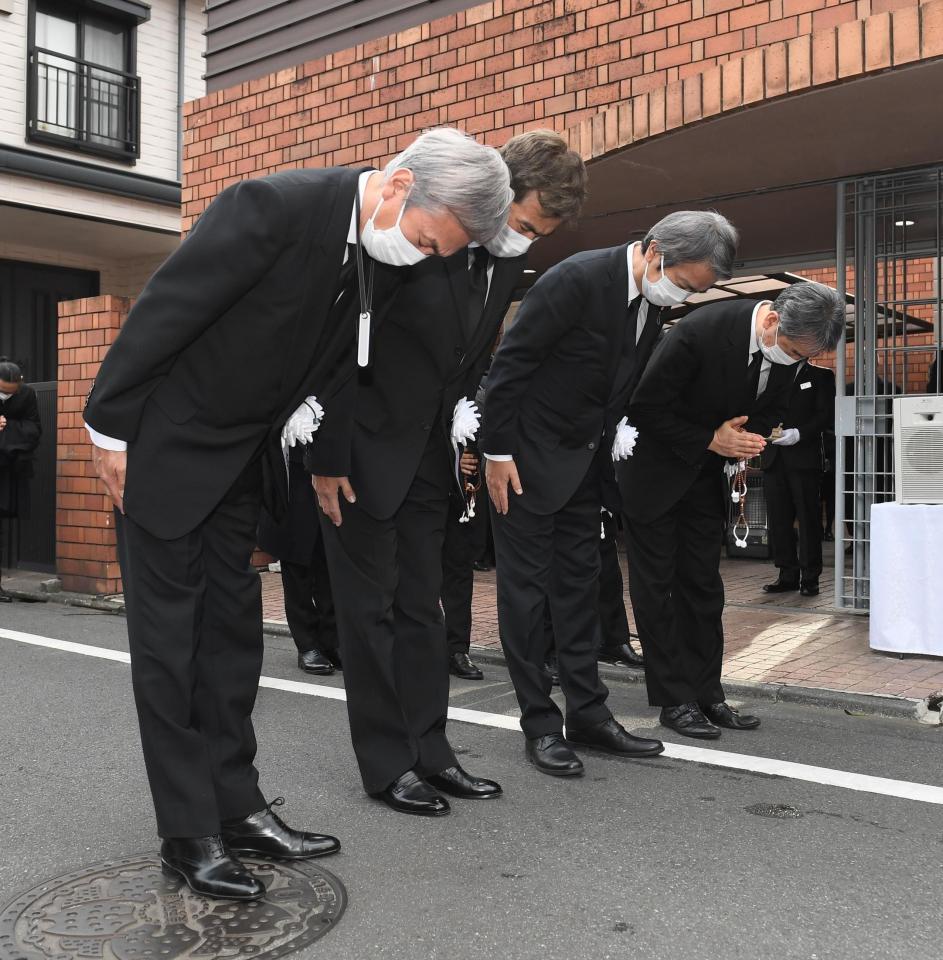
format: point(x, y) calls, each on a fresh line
point(753, 374)
point(477, 289)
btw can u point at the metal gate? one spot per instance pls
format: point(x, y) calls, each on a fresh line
point(889, 244)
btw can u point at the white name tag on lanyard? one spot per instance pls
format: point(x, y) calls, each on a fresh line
point(363, 340)
point(806, 385)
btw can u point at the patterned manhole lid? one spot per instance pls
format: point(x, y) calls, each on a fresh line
point(127, 910)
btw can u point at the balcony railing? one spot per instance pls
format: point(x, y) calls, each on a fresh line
point(83, 105)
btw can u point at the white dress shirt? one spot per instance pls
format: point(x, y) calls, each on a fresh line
point(111, 443)
point(755, 345)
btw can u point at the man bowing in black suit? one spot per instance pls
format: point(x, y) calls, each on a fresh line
point(792, 481)
point(389, 448)
point(715, 389)
point(558, 387)
point(252, 297)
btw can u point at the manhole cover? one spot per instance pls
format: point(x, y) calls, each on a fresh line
point(775, 811)
point(127, 910)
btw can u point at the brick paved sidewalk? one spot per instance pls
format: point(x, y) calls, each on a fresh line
point(781, 638)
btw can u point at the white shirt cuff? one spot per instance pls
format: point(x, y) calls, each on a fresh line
point(498, 456)
point(106, 443)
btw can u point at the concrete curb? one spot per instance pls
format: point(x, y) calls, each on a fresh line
point(866, 704)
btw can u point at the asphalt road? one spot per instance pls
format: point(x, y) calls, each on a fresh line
point(653, 859)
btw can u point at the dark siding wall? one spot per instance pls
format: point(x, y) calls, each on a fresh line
point(246, 39)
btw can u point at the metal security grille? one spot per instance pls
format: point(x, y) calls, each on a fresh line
point(889, 241)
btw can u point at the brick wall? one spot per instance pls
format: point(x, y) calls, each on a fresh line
point(85, 536)
point(907, 280)
point(606, 71)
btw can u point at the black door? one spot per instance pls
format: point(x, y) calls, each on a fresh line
point(29, 298)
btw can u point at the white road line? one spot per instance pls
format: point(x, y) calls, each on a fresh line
point(905, 789)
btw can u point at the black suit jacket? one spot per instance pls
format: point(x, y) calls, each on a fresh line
point(811, 411)
point(224, 342)
point(696, 380)
point(563, 374)
point(377, 422)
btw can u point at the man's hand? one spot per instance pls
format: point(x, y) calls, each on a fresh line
point(498, 474)
point(111, 466)
point(730, 440)
point(3, 422)
point(468, 464)
point(327, 490)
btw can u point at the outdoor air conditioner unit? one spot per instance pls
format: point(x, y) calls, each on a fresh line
point(918, 449)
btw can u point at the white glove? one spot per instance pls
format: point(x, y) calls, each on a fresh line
point(465, 422)
point(624, 443)
point(303, 423)
point(789, 438)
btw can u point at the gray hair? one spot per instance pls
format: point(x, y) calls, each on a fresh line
point(812, 315)
point(696, 236)
point(454, 172)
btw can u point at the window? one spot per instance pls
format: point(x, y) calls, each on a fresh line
point(83, 93)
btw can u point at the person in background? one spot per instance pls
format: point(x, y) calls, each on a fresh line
point(792, 479)
point(306, 582)
point(20, 430)
point(458, 574)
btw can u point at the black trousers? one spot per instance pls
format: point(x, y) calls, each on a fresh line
point(678, 595)
point(613, 619)
point(386, 577)
point(459, 552)
point(793, 495)
point(309, 606)
point(194, 610)
point(555, 557)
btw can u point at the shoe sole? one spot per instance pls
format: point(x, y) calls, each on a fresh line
point(694, 736)
point(287, 856)
point(471, 796)
point(466, 676)
point(557, 773)
point(641, 755)
point(172, 873)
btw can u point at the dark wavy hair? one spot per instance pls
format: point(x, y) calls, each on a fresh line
point(10, 372)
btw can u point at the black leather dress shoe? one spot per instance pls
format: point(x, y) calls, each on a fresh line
point(265, 833)
point(809, 588)
point(482, 566)
point(313, 661)
point(208, 868)
point(688, 719)
point(409, 794)
point(781, 586)
point(611, 737)
point(551, 755)
point(460, 783)
point(462, 665)
point(334, 655)
point(621, 653)
point(723, 715)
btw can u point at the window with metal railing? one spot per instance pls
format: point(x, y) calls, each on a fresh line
point(82, 91)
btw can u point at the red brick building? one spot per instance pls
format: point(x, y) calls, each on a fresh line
point(757, 108)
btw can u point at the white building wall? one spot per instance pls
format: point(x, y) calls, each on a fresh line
point(120, 278)
point(156, 66)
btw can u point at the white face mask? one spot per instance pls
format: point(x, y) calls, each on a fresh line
point(390, 246)
point(508, 243)
point(775, 353)
point(663, 293)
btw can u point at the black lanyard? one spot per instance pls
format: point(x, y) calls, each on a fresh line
point(366, 294)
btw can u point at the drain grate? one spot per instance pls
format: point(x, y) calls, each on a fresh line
point(128, 910)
